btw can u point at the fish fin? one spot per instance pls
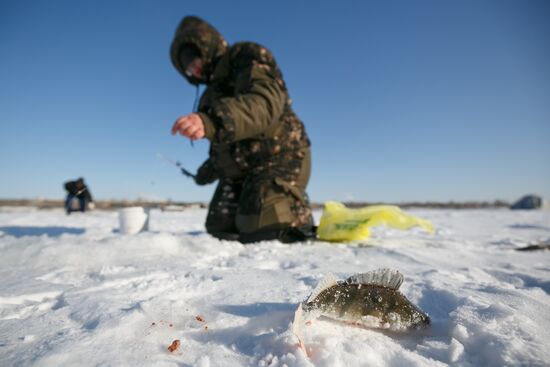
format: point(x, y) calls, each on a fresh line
point(328, 281)
point(382, 277)
point(297, 329)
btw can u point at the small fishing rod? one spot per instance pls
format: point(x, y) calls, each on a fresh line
point(177, 164)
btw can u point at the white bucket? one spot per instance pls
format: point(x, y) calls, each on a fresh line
point(133, 220)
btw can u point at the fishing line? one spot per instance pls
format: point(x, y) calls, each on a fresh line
point(177, 164)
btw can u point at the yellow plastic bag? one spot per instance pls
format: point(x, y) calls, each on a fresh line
point(341, 224)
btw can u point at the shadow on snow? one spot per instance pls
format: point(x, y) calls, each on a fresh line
point(21, 231)
point(260, 333)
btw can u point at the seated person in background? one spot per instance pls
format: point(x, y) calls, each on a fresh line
point(78, 189)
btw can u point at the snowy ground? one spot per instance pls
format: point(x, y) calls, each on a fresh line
point(75, 292)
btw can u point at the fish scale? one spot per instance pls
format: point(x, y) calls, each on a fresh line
point(352, 302)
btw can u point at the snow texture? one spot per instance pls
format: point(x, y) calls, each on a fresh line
point(74, 291)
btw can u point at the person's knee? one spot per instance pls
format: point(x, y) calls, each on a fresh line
point(221, 227)
point(216, 224)
point(265, 206)
point(274, 214)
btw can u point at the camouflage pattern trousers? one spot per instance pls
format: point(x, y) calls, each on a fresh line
point(269, 200)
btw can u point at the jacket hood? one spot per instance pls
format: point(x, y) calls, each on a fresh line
point(193, 30)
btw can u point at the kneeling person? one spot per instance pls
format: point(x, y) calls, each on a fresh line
point(259, 149)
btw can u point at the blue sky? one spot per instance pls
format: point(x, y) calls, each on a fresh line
point(403, 100)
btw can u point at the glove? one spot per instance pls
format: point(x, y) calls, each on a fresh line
point(206, 174)
point(91, 205)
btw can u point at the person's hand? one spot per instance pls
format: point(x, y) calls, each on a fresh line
point(91, 205)
point(190, 126)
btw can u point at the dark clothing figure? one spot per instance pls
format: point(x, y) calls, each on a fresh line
point(528, 202)
point(259, 149)
point(79, 191)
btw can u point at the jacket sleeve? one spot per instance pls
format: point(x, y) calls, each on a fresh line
point(259, 101)
point(70, 187)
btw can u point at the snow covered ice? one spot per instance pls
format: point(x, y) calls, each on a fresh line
point(74, 291)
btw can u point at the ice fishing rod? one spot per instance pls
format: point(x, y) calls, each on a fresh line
point(177, 164)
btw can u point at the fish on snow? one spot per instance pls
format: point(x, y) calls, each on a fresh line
point(371, 300)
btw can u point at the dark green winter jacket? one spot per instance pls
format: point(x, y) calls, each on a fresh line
point(245, 108)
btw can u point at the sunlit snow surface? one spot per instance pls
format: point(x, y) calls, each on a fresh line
point(75, 292)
